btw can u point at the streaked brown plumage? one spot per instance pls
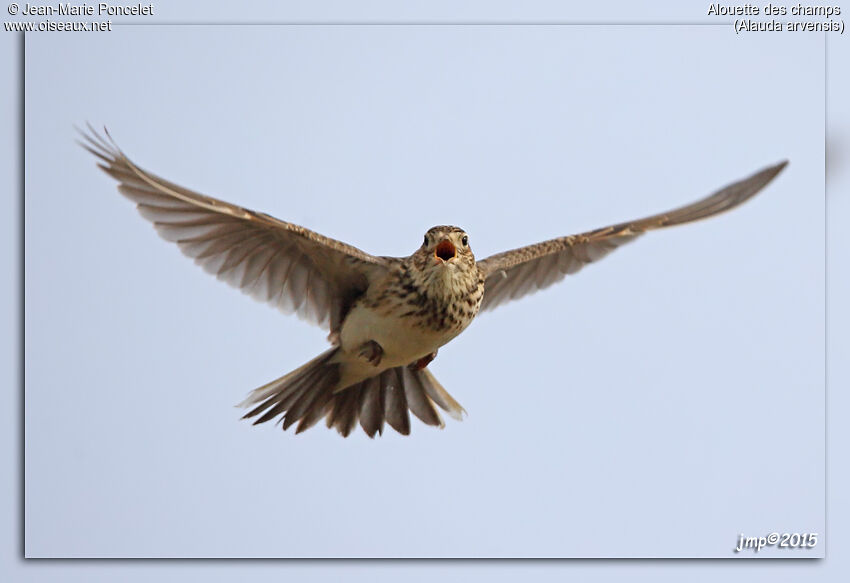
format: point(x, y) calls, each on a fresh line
point(386, 316)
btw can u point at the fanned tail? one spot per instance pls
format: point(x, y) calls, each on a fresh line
point(307, 395)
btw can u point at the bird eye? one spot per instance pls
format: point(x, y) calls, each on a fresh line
point(425, 242)
point(465, 240)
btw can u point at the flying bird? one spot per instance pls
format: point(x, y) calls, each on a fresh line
point(386, 316)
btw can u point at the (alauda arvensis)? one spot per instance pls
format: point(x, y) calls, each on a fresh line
point(387, 316)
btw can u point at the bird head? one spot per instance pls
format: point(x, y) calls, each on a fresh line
point(445, 248)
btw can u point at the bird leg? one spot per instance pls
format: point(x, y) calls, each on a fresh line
point(372, 352)
point(422, 362)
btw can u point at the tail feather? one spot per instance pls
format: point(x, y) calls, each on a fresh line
point(279, 395)
point(441, 396)
point(371, 407)
point(318, 409)
point(343, 415)
point(308, 394)
point(273, 388)
point(281, 402)
point(419, 403)
point(317, 388)
point(395, 403)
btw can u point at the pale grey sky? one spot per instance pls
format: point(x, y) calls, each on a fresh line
point(675, 387)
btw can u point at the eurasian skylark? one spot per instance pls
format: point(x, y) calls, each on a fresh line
point(387, 316)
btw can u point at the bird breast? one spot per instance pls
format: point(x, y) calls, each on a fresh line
point(402, 338)
point(411, 316)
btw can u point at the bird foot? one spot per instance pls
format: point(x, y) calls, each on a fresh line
point(372, 352)
point(422, 362)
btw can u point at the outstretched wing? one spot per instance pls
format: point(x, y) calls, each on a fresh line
point(283, 264)
point(513, 274)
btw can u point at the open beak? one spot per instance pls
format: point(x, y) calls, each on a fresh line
point(445, 250)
